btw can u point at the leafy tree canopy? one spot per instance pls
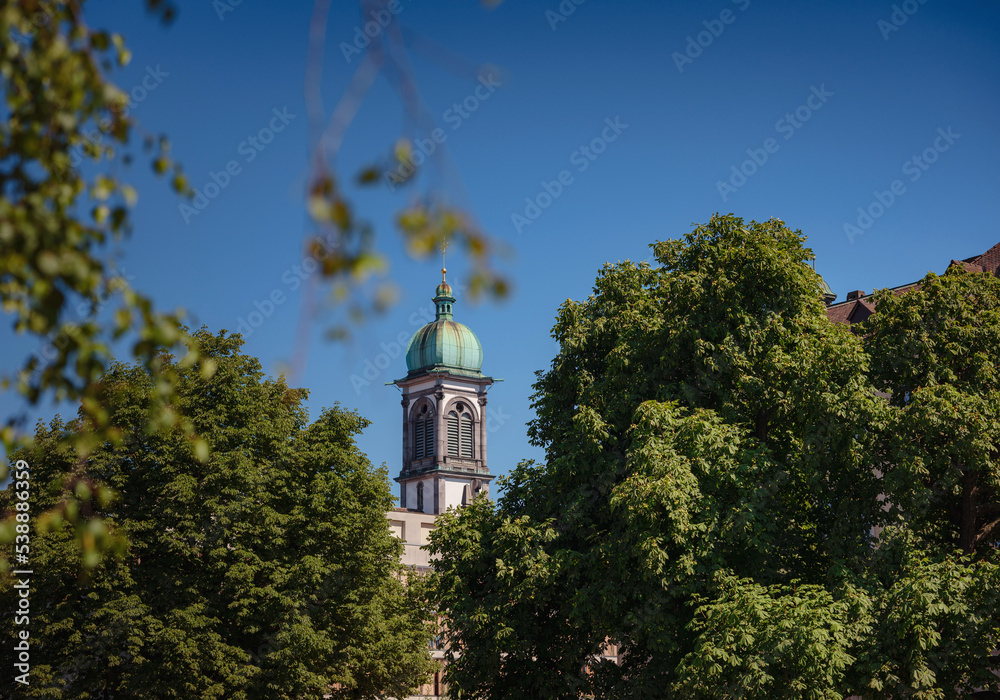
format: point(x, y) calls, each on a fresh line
point(710, 505)
point(266, 571)
point(935, 353)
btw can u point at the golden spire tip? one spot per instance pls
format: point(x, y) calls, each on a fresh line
point(444, 250)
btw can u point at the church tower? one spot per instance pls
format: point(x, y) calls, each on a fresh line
point(444, 405)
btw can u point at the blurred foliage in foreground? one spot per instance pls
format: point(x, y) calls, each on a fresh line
point(65, 136)
point(65, 133)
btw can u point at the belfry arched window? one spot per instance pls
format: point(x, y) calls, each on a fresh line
point(420, 496)
point(423, 433)
point(460, 432)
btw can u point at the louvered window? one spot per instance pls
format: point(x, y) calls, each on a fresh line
point(429, 437)
point(460, 432)
point(418, 440)
point(423, 434)
point(465, 421)
point(453, 434)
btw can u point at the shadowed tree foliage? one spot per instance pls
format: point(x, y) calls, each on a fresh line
point(935, 350)
point(706, 505)
point(267, 571)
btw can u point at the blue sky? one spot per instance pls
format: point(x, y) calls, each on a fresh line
point(805, 111)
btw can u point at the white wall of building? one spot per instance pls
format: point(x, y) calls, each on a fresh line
point(411, 494)
point(414, 529)
point(453, 490)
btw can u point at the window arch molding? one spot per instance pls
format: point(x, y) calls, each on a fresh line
point(471, 405)
point(422, 430)
point(461, 421)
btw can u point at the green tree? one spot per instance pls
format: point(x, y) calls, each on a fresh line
point(707, 504)
point(266, 571)
point(934, 351)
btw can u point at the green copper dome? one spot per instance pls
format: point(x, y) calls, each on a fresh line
point(445, 344)
point(825, 292)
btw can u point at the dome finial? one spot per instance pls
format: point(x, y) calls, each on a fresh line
point(443, 296)
point(444, 250)
point(443, 344)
